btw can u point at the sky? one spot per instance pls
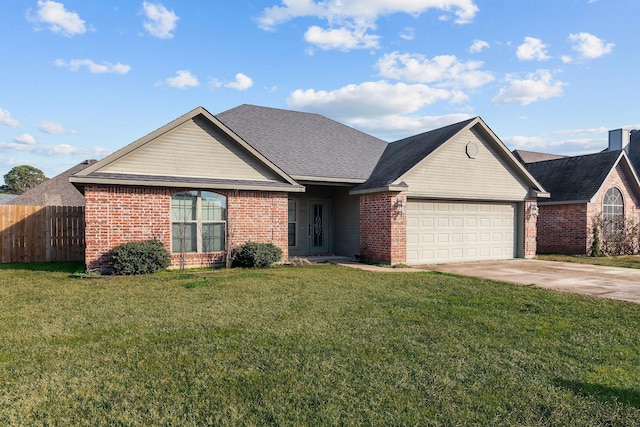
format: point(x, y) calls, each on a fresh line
point(83, 78)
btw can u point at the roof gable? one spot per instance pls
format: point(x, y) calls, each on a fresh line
point(193, 149)
point(467, 166)
point(306, 146)
point(403, 156)
point(578, 178)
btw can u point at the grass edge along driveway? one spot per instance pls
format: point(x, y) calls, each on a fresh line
point(308, 346)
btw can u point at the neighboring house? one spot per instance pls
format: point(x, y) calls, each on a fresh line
point(6, 198)
point(203, 184)
point(582, 189)
point(57, 191)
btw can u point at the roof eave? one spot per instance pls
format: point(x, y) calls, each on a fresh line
point(383, 189)
point(81, 181)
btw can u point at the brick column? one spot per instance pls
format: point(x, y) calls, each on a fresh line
point(383, 227)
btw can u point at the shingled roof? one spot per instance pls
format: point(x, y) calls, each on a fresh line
point(574, 179)
point(402, 155)
point(525, 156)
point(306, 145)
point(57, 191)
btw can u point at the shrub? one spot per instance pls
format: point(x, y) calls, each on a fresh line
point(617, 236)
point(260, 255)
point(140, 257)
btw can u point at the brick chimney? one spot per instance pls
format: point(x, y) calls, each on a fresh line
point(619, 140)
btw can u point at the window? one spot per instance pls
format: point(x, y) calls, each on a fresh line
point(612, 205)
point(198, 221)
point(292, 222)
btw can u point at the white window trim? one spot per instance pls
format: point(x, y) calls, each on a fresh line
point(199, 222)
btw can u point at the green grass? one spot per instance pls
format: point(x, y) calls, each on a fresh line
point(322, 345)
point(626, 261)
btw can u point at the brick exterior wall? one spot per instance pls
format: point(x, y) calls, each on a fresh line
point(530, 229)
point(566, 229)
point(117, 214)
point(563, 229)
point(383, 228)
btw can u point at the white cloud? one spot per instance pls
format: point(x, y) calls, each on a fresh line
point(183, 79)
point(341, 38)
point(408, 33)
point(54, 150)
point(25, 138)
point(532, 48)
point(396, 126)
point(59, 19)
point(389, 111)
point(7, 120)
point(478, 46)
point(589, 46)
point(369, 99)
point(242, 82)
point(444, 70)
point(534, 87)
point(349, 21)
point(566, 145)
point(159, 21)
point(360, 10)
point(53, 128)
point(93, 67)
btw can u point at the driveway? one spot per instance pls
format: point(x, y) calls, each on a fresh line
point(605, 282)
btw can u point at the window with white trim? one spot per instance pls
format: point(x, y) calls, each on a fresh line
point(198, 222)
point(292, 222)
point(612, 205)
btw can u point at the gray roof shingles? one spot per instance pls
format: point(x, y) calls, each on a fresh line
point(575, 178)
point(305, 144)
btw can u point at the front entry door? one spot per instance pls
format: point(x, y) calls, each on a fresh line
point(319, 226)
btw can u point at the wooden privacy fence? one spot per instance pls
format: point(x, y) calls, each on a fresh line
point(41, 233)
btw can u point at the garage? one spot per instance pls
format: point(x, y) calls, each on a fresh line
point(453, 231)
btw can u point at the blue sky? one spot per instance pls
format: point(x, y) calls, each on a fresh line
point(83, 78)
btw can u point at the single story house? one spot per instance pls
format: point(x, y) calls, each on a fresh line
point(583, 188)
point(56, 191)
point(204, 184)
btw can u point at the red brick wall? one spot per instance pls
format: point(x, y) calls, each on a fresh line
point(116, 214)
point(383, 228)
point(563, 229)
point(567, 229)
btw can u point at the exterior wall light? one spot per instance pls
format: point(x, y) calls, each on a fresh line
point(533, 210)
point(399, 206)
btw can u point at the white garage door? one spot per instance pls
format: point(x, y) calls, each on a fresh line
point(441, 231)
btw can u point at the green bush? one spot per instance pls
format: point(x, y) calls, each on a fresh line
point(140, 257)
point(260, 255)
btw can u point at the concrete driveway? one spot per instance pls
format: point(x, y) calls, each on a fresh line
point(605, 282)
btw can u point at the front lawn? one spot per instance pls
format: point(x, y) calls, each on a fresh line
point(321, 345)
point(627, 261)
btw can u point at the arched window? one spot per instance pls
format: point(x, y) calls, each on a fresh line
point(612, 205)
point(198, 221)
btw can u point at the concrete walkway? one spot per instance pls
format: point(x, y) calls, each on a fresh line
point(605, 282)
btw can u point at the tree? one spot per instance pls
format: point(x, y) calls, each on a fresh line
point(22, 178)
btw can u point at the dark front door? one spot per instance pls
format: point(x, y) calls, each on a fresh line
point(319, 226)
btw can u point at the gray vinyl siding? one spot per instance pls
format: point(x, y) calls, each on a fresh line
point(347, 223)
point(450, 173)
point(194, 149)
